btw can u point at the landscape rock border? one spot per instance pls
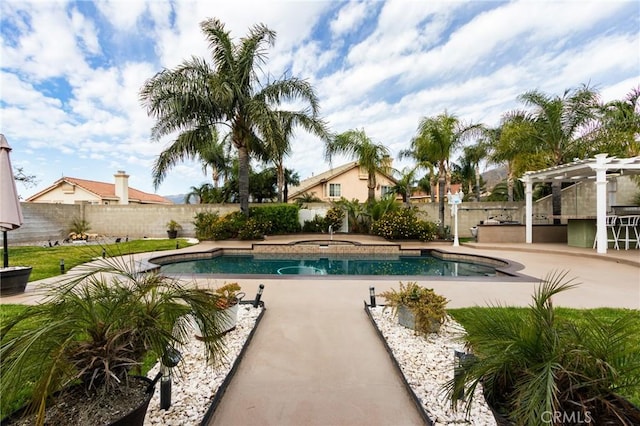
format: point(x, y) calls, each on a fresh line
point(424, 364)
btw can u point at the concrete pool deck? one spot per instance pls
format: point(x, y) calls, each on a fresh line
point(316, 359)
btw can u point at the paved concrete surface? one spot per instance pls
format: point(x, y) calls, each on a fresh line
point(316, 360)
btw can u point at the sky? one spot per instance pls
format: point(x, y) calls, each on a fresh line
point(71, 72)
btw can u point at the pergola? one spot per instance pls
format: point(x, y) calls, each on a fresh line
point(596, 169)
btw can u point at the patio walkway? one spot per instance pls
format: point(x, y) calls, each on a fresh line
point(316, 359)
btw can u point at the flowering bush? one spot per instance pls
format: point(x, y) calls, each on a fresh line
point(403, 224)
point(253, 229)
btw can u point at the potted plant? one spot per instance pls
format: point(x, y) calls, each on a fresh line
point(416, 307)
point(80, 346)
point(228, 300)
point(538, 368)
point(172, 229)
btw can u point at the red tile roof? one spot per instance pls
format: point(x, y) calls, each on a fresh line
point(106, 191)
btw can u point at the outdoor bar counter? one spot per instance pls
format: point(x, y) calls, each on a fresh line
point(515, 233)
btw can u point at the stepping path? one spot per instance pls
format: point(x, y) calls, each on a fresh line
point(316, 360)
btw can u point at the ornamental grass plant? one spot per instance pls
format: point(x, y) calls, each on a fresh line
point(428, 307)
point(96, 328)
point(539, 364)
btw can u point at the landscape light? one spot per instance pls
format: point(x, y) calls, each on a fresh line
point(372, 296)
point(256, 302)
point(62, 266)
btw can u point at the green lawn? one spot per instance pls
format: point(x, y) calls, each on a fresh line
point(575, 315)
point(46, 260)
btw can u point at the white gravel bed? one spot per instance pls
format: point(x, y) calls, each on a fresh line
point(195, 386)
point(427, 364)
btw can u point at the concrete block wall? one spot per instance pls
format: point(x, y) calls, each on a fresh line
point(580, 199)
point(137, 221)
point(43, 222)
point(471, 214)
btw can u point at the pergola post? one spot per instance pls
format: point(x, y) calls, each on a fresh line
point(528, 191)
point(601, 203)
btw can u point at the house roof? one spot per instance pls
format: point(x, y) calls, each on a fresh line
point(332, 173)
point(105, 190)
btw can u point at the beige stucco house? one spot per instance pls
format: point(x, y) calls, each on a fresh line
point(348, 181)
point(68, 190)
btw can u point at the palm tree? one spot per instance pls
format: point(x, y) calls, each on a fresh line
point(405, 183)
point(472, 156)
point(197, 96)
point(436, 140)
point(370, 156)
point(559, 125)
point(617, 131)
point(508, 145)
point(199, 143)
point(278, 140)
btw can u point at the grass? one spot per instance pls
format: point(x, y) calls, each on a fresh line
point(46, 260)
point(462, 315)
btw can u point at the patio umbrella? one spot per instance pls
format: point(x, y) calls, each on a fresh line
point(10, 211)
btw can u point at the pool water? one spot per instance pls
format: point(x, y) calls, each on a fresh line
point(343, 264)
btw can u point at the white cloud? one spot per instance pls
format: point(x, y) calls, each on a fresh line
point(349, 18)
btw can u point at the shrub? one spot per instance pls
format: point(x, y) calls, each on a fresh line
point(334, 218)
point(403, 224)
point(281, 218)
point(204, 223)
point(314, 225)
point(253, 229)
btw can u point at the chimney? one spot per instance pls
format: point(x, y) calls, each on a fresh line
point(122, 186)
point(387, 162)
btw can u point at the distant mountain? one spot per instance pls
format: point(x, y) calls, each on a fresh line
point(494, 176)
point(176, 199)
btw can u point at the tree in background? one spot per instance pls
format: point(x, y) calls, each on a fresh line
point(277, 143)
point(196, 97)
point(617, 129)
point(558, 128)
point(435, 142)
point(370, 156)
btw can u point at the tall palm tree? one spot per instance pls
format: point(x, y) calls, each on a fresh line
point(559, 126)
point(436, 140)
point(617, 130)
point(278, 134)
point(370, 156)
point(472, 156)
point(508, 145)
point(196, 95)
point(405, 182)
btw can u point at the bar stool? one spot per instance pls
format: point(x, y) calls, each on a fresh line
point(611, 223)
point(632, 235)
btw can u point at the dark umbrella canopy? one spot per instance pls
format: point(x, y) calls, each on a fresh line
point(10, 211)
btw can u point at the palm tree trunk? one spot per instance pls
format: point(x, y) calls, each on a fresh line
point(510, 187)
point(477, 187)
point(371, 196)
point(280, 179)
point(441, 186)
point(556, 201)
point(434, 185)
point(243, 179)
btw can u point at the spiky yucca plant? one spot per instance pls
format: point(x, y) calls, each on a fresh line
point(98, 326)
point(536, 365)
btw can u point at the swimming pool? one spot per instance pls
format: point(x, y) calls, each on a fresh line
point(313, 264)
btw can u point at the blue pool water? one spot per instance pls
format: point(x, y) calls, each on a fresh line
point(343, 264)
